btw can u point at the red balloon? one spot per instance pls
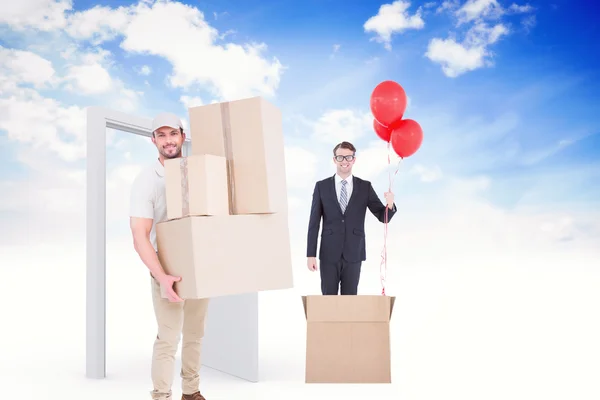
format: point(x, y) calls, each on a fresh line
point(381, 131)
point(406, 138)
point(388, 102)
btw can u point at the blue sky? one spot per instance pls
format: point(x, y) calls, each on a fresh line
point(522, 118)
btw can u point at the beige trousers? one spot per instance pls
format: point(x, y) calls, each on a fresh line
point(175, 320)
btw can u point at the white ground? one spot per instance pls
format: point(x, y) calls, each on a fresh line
point(495, 332)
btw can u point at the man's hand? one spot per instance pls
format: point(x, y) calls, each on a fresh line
point(389, 197)
point(166, 281)
point(311, 263)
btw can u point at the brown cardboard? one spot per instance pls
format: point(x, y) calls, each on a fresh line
point(348, 338)
point(226, 255)
point(196, 185)
point(249, 134)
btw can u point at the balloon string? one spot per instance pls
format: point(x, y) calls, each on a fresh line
point(383, 265)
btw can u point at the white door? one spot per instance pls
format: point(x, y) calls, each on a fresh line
point(231, 339)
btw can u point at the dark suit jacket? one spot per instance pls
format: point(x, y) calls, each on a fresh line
point(343, 235)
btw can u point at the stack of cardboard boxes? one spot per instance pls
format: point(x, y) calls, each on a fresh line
point(227, 217)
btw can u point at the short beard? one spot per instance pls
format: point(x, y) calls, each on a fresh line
point(167, 156)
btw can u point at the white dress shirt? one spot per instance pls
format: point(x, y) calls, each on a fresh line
point(338, 186)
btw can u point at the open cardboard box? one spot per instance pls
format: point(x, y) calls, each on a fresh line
point(348, 338)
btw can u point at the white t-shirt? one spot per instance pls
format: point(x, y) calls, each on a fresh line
point(148, 197)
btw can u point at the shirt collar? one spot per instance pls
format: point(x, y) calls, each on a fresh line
point(159, 168)
point(338, 179)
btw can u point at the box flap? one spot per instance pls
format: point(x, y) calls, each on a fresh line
point(360, 308)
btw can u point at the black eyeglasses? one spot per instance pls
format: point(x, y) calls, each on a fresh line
point(342, 158)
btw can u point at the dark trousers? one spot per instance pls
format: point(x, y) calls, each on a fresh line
point(342, 274)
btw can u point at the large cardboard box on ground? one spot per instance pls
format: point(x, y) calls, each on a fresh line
point(348, 338)
point(226, 255)
point(249, 134)
point(196, 185)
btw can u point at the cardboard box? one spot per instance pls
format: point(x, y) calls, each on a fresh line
point(249, 134)
point(226, 255)
point(196, 185)
point(348, 339)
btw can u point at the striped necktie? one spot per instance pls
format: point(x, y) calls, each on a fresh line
point(343, 196)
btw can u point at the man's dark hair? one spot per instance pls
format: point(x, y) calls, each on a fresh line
point(344, 145)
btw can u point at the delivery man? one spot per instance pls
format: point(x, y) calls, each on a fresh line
point(175, 317)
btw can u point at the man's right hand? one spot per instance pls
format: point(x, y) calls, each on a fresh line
point(311, 263)
point(166, 281)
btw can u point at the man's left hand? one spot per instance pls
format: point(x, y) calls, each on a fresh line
point(389, 197)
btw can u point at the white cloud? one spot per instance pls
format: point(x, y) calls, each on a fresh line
point(189, 101)
point(529, 22)
point(127, 100)
point(427, 174)
point(479, 10)
point(473, 53)
point(43, 15)
point(145, 70)
point(90, 79)
point(518, 9)
point(458, 57)
point(40, 122)
point(98, 24)
point(301, 167)
point(87, 73)
point(448, 5)
point(296, 205)
point(19, 66)
point(196, 58)
point(393, 18)
point(455, 58)
point(476, 9)
point(372, 159)
point(482, 35)
point(339, 125)
point(336, 48)
point(560, 229)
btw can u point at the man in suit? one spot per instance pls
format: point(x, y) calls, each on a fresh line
point(341, 201)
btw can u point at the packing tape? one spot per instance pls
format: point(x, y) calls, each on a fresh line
point(226, 124)
point(185, 187)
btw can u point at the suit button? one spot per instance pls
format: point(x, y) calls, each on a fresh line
point(342, 220)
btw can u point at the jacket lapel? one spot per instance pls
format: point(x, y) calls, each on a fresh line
point(353, 195)
point(334, 195)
